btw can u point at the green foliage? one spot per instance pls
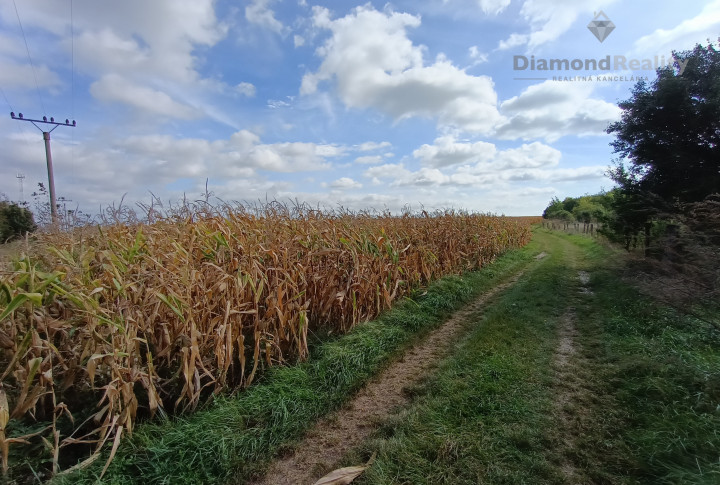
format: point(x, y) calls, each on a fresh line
point(668, 142)
point(670, 131)
point(15, 221)
point(587, 209)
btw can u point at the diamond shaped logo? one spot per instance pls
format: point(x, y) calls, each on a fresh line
point(601, 26)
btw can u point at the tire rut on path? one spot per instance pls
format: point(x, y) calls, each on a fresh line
point(333, 436)
point(570, 392)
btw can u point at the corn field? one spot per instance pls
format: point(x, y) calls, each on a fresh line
point(102, 327)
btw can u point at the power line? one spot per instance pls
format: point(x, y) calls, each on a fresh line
point(37, 86)
point(6, 100)
point(72, 60)
point(72, 84)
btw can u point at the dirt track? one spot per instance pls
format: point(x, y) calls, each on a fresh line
point(332, 437)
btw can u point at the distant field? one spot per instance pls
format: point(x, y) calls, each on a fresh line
point(106, 326)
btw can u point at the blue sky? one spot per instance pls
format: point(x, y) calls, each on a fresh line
point(365, 105)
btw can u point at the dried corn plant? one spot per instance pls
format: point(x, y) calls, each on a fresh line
point(99, 328)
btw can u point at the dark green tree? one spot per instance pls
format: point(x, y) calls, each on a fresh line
point(15, 221)
point(669, 132)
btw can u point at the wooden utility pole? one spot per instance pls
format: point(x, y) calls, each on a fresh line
point(48, 155)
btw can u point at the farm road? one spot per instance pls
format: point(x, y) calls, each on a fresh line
point(329, 443)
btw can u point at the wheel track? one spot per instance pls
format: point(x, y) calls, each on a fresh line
point(333, 436)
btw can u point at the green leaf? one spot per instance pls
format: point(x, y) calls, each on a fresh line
point(19, 299)
point(174, 308)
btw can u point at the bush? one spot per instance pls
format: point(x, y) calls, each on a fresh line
point(15, 221)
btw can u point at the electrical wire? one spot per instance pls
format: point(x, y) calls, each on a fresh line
point(72, 60)
point(6, 100)
point(37, 86)
point(72, 88)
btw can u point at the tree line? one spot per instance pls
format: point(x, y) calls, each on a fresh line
point(667, 171)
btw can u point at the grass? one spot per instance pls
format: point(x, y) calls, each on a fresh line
point(482, 418)
point(645, 390)
point(664, 371)
point(234, 437)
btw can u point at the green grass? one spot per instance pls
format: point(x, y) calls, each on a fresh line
point(482, 418)
point(647, 406)
point(234, 437)
point(664, 371)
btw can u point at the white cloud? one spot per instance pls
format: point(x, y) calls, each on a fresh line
point(425, 177)
point(549, 19)
point(513, 41)
point(15, 71)
point(369, 146)
point(477, 56)
point(152, 46)
point(16, 76)
point(369, 159)
point(291, 156)
point(345, 183)
point(446, 151)
point(115, 88)
point(481, 165)
point(298, 40)
point(375, 65)
point(493, 6)
point(529, 155)
point(389, 170)
point(259, 13)
point(685, 35)
point(553, 109)
point(246, 89)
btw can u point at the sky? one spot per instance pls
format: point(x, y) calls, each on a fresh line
point(376, 105)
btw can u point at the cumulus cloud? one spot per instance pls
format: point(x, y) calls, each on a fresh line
point(514, 40)
point(549, 19)
point(446, 151)
point(493, 7)
point(260, 13)
point(15, 75)
point(15, 71)
point(477, 56)
point(369, 146)
point(149, 46)
point(375, 65)
point(246, 89)
point(554, 109)
point(345, 183)
point(115, 88)
point(388, 170)
point(369, 159)
point(452, 163)
point(531, 155)
point(685, 35)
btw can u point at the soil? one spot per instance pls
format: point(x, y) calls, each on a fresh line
point(570, 390)
point(332, 437)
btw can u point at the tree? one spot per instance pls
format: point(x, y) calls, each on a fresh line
point(670, 132)
point(556, 210)
point(15, 221)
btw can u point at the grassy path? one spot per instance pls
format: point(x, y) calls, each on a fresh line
point(569, 377)
point(338, 433)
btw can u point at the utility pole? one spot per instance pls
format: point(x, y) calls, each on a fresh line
point(48, 155)
point(20, 177)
